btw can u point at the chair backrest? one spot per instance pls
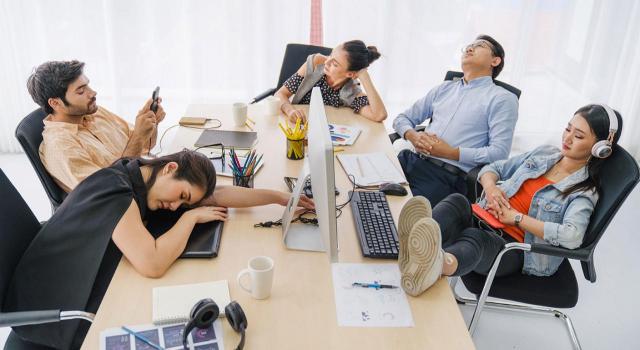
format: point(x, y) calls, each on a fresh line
point(619, 176)
point(453, 74)
point(294, 56)
point(29, 134)
point(18, 226)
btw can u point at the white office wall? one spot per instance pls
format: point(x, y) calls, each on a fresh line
point(196, 51)
point(561, 54)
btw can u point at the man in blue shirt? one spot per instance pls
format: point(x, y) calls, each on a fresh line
point(471, 123)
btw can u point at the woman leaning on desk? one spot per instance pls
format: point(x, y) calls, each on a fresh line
point(70, 262)
point(339, 77)
point(546, 195)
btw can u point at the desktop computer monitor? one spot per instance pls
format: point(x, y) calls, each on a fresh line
point(319, 165)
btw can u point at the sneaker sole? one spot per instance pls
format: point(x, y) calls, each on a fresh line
point(415, 209)
point(425, 257)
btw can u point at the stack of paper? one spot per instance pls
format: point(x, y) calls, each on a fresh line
point(371, 169)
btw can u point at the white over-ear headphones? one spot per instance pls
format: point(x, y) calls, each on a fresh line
point(602, 148)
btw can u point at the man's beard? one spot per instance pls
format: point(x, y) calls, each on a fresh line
point(79, 111)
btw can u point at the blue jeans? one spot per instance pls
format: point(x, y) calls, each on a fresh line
point(429, 180)
point(474, 248)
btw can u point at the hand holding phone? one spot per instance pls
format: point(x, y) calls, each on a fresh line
point(154, 99)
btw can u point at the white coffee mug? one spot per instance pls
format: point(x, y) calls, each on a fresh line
point(239, 113)
point(260, 273)
point(272, 105)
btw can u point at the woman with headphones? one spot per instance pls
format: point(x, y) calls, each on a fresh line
point(546, 195)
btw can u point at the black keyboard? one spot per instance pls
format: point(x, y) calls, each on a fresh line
point(374, 224)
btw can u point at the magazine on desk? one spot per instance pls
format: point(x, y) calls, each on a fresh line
point(343, 135)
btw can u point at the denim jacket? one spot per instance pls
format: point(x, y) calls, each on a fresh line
point(565, 218)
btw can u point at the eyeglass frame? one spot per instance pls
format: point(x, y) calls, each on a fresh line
point(479, 43)
point(221, 157)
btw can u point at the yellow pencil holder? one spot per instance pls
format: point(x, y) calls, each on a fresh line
point(295, 149)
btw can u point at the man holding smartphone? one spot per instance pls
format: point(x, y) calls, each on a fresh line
point(80, 137)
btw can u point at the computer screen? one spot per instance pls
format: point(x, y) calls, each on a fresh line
point(319, 165)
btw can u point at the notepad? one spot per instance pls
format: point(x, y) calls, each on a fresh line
point(370, 169)
point(172, 304)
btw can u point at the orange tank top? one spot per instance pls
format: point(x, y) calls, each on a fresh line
point(521, 201)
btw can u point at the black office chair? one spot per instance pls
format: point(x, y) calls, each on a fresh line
point(294, 56)
point(620, 175)
point(29, 134)
point(473, 186)
point(18, 227)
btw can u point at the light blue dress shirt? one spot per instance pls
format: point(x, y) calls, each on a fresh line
point(479, 117)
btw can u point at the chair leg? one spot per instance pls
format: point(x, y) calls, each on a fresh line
point(497, 305)
point(489, 281)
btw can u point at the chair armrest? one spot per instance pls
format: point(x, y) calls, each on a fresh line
point(14, 319)
point(474, 189)
point(548, 249)
point(266, 93)
point(22, 318)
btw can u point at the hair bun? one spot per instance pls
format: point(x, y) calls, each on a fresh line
point(373, 53)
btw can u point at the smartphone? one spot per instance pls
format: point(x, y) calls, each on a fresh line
point(154, 99)
point(481, 213)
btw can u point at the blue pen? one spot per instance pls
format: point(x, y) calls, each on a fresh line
point(142, 338)
point(375, 285)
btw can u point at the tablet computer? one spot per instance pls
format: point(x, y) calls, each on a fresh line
point(481, 213)
point(204, 240)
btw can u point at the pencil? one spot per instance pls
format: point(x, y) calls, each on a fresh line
point(338, 149)
point(251, 120)
point(142, 338)
point(248, 125)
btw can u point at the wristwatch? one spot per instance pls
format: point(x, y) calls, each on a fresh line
point(518, 219)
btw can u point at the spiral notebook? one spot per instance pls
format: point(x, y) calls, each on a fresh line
point(172, 304)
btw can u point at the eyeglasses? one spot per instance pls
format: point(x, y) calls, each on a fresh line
point(479, 43)
point(212, 157)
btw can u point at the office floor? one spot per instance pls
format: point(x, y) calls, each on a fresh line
point(605, 317)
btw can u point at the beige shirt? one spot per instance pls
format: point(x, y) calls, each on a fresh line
point(72, 152)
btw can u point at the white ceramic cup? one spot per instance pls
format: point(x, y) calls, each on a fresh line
point(260, 273)
point(272, 105)
point(239, 113)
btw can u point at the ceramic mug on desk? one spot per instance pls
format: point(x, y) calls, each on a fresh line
point(272, 105)
point(260, 271)
point(239, 113)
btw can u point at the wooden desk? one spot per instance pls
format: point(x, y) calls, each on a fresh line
point(301, 312)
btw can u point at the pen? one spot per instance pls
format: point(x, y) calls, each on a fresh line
point(142, 338)
point(375, 285)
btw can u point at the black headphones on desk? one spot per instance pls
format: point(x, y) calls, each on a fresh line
point(206, 311)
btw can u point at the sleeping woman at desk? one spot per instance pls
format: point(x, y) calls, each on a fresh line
point(339, 77)
point(70, 262)
point(545, 196)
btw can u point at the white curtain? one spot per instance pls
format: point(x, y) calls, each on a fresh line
point(196, 51)
point(561, 54)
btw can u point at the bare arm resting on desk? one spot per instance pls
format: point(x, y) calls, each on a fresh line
point(241, 197)
point(153, 257)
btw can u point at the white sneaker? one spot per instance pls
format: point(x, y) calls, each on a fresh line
point(415, 209)
point(425, 257)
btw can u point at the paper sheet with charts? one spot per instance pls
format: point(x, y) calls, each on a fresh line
point(369, 295)
point(165, 337)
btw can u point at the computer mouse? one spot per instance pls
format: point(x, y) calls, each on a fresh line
point(393, 189)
